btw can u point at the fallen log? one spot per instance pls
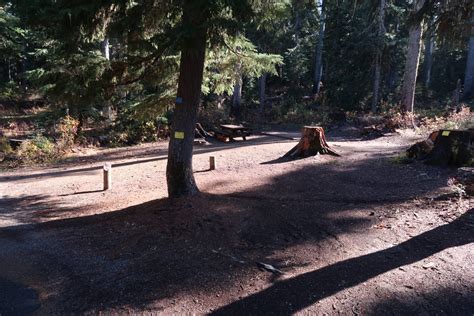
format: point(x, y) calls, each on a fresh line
point(312, 142)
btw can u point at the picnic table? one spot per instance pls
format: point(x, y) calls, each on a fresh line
point(232, 131)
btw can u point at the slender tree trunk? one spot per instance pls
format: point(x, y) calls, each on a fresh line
point(469, 74)
point(378, 56)
point(107, 105)
point(237, 94)
point(179, 173)
point(261, 91)
point(106, 48)
point(412, 59)
point(428, 58)
point(9, 72)
point(297, 27)
point(318, 60)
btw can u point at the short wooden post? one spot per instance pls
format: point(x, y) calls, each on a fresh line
point(212, 163)
point(107, 176)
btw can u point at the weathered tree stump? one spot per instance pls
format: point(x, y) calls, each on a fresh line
point(465, 177)
point(421, 149)
point(312, 142)
point(452, 147)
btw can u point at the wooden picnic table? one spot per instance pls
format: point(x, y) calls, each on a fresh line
point(235, 131)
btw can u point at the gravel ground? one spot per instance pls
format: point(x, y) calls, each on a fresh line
point(359, 234)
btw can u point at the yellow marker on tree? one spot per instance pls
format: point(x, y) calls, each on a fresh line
point(445, 133)
point(179, 135)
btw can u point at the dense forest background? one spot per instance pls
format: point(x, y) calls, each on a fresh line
point(111, 67)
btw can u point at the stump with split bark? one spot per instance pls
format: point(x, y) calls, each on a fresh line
point(421, 149)
point(312, 142)
point(452, 147)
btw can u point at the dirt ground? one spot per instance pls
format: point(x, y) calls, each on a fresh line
point(359, 234)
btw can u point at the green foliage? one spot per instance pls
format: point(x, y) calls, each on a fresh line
point(37, 150)
point(55, 50)
point(237, 53)
point(5, 147)
point(129, 129)
point(67, 129)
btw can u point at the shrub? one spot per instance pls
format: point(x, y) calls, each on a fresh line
point(67, 131)
point(37, 150)
point(129, 130)
point(5, 147)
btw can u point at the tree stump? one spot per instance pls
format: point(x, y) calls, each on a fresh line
point(421, 149)
point(452, 147)
point(312, 142)
point(465, 177)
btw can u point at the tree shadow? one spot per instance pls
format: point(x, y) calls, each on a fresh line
point(146, 255)
point(444, 301)
point(33, 209)
point(16, 299)
point(292, 295)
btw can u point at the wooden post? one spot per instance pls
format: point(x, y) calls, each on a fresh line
point(107, 176)
point(212, 163)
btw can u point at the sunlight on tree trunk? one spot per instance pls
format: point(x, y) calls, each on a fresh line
point(428, 57)
point(318, 60)
point(261, 91)
point(469, 76)
point(378, 56)
point(237, 94)
point(107, 105)
point(412, 59)
point(179, 172)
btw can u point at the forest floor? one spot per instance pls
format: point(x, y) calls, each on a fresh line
point(359, 234)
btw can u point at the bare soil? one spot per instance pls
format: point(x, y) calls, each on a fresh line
point(357, 234)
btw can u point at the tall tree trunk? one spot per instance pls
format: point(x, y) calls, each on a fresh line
point(428, 58)
point(412, 58)
point(318, 60)
point(9, 67)
point(179, 172)
point(107, 105)
point(378, 55)
point(469, 74)
point(237, 94)
point(106, 48)
point(261, 91)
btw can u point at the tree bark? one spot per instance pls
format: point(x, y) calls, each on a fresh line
point(107, 105)
point(469, 74)
point(179, 173)
point(312, 142)
point(237, 94)
point(261, 91)
point(378, 55)
point(451, 147)
point(412, 59)
point(428, 58)
point(318, 60)
point(106, 48)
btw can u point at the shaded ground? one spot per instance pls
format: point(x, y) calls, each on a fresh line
point(352, 235)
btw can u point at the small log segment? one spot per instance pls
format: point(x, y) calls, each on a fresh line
point(200, 132)
point(312, 142)
point(452, 147)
